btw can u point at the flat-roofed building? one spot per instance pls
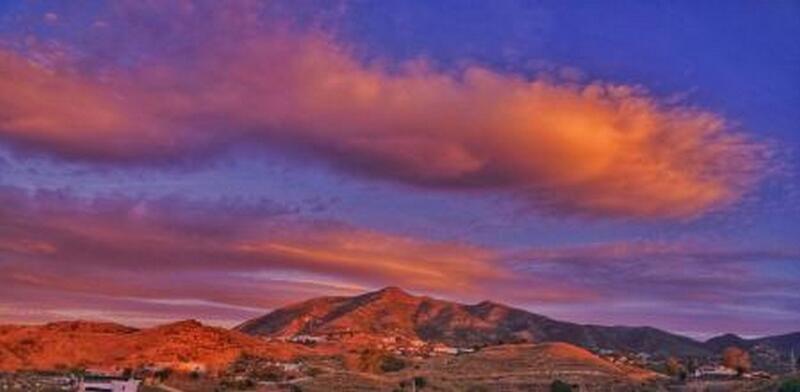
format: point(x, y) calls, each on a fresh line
point(108, 384)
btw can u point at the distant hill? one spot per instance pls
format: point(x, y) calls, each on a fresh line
point(781, 343)
point(82, 344)
point(720, 343)
point(394, 312)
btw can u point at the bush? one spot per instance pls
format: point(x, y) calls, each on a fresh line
point(560, 386)
point(314, 371)
point(390, 363)
point(737, 359)
point(163, 374)
point(790, 386)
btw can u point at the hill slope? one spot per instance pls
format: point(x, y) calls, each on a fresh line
point(781, 343)
point(511, 367)
point(393, 312)
point(81, 344)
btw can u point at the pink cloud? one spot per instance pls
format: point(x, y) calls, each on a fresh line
point(596, 148)
point(184, 252)
point(156, 259)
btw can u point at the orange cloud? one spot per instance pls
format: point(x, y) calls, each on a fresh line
point(404, 261)
point(599, 148)
point(135, 248)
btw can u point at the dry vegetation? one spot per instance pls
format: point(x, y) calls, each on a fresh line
point(69, 345)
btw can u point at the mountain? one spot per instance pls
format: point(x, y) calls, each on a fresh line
point(231, 358)
point(783, 344)
point(720, 343)
point(394, 312)
point(82, 344)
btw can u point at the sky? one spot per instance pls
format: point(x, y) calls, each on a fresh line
point(619, 163)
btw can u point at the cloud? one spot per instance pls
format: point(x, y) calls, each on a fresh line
point(678, 285)
point(144, 259)
point(596, 148)
point(194, 252)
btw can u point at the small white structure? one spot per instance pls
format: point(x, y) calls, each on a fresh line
point(307, 339)
point(714, 371)
point(288, 366)
point(445, 350)
point(108, 384)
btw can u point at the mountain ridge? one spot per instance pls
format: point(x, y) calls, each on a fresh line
point(784, 343)
point(392, 311)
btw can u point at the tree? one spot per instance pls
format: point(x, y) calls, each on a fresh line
point(163, 374)
point(790, 386)
point(560, 386)
point(390, 363)
point(737, 359)
point(691, 366)
point(673, 367)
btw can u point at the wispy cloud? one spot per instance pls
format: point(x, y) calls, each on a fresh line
point(679, 285)
point(181, 252)
point(220, 260)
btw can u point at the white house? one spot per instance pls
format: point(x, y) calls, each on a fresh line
point(108, 384)
point(445, 350)
point(307, 339)
point(714, 371)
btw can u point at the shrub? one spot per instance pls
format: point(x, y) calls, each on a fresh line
point(560, 386)
point(390, 363)
point(314, 371)
point(673, 367)
point(163, 374)
point(790, 386)
point(737, 359)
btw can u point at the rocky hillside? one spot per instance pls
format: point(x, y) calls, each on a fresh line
point(80, 344)
point(394, 312)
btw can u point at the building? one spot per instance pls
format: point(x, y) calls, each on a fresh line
point(108, 384)
point(307, 339)
point(445, 350)
point(714, 371)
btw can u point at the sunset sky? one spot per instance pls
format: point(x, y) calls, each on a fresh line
point(620, 162)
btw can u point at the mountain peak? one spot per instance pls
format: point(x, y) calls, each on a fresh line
point(190, 324)
point(392, 291)
point(728, 337)
point(487, 304)
point(391, 311)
